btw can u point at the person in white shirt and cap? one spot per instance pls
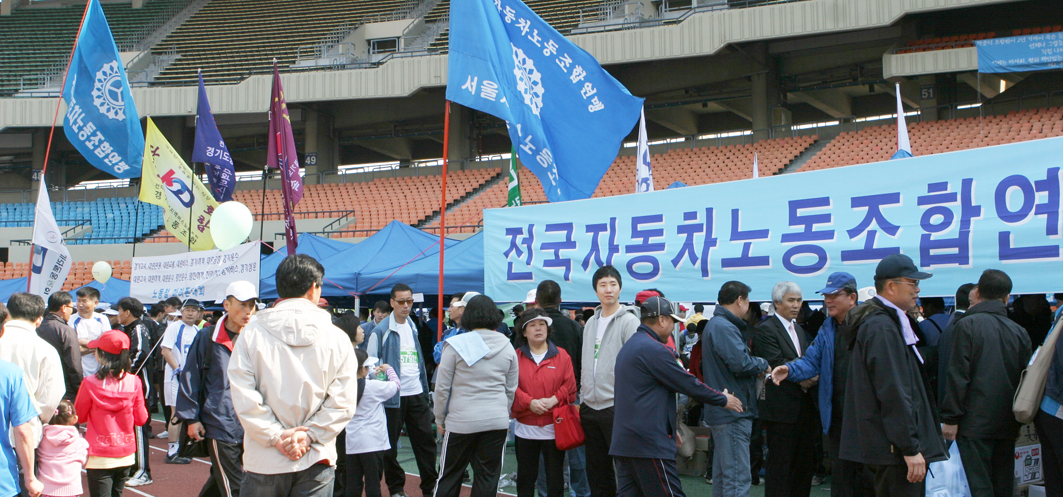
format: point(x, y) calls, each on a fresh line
point(175, 345)
point(89, 325)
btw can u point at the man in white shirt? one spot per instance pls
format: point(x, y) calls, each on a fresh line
point(175, 344)
point(395, 341)
point(36, 358)
point(89, 325)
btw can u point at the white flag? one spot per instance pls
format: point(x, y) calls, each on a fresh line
point(51, 259)
point(904, 147)
point(643, 170)
point(756, 168)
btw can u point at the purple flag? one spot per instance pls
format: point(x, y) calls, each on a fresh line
point(210, 149)
point(281, 154)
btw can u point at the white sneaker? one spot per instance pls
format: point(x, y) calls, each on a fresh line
point(163, 436)
point(137, 482)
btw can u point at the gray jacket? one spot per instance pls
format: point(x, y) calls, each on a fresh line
point(726, 363)
point(472, 399)
point(596, 388)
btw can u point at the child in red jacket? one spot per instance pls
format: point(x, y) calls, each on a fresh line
point(546, 381)
point(111, 403)
point(61, 454)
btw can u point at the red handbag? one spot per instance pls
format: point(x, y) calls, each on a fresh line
point(568, 432)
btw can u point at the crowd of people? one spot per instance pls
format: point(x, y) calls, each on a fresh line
point(293, 400)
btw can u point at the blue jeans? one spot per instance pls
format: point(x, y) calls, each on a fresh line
point(576, 474)
point(730, 460)
point(315, 481)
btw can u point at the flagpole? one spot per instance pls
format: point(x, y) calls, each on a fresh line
point(262, 213)
point(443, 216)
point(55, 119)
point(136, 224)
point(190, 220)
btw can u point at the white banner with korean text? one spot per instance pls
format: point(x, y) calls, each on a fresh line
point(202, 275)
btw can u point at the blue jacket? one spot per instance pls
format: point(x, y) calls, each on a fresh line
point(216, 412)
point(437, 351)
point(1051, 404)
point(384, 345)
point(726, 364)
point(647, 377)
point(819, 360)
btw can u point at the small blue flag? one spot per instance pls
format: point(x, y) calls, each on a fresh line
point(566, 115)
point(101, 119)
point(210, 149)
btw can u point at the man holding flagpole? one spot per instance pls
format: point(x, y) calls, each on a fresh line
point(281, 154)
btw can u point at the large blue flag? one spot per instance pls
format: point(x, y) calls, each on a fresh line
point(566, 115)
point(210, 149)
point(101, 119)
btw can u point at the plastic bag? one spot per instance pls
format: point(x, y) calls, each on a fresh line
point(947, 478)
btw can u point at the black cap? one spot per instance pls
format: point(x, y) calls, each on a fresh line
point(899, 266)
point(192, 303)
point(658, 306)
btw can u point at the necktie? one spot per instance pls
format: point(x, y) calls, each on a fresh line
point(793, 338)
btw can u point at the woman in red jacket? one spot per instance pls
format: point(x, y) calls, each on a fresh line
point(546, 381)
point(111, 402)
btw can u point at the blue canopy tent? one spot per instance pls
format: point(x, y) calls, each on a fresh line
point(12, 286)
point(318, 247)
point(463, 270)
point(112, 291)
point(677, 184)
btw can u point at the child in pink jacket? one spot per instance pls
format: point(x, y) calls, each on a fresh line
point(61, 454)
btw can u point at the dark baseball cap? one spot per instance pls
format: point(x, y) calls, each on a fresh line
point(659, 306)
point(192, 303)
point(899, 266)
point(837, 282)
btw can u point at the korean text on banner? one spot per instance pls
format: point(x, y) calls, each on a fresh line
point(51, 259)
point(198, 275)
point(210, 149)
point(964, 214)
point(566, 115)
point(1020, 53)
point(169, 183)
point(101, 119)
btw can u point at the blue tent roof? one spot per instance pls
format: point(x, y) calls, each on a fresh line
point(463, 271)
point(12, 286)
point(677, 184)
point(112, 291)
point(318, 247)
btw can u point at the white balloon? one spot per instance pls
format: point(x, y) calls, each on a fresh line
point(230, 224)
point(101, 271)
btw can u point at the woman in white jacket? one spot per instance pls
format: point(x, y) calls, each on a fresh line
point(475, 384)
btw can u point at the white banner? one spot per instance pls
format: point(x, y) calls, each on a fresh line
point(202, 275)
point(51, 259)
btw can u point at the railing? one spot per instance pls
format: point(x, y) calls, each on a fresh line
point(340, 220)
point(278, 216)
point(421, 41)
point(147, 75)
point(334, 55)
point(614, 9)
point(463, 228)
point(174, 16)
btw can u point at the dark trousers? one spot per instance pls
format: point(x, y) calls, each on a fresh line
point(892, 481)
point(142, 466)
point(641, 477)
point(1050, 432)
point(107, 482)
point(528, 452)
point(989, 465)
point(756, 450)
point(226, 470)
point(339, 489)
point(848, 478)
point(364, 472)
point(791, 458)
point(484, 450)
point(598, 431)
point(315, 481)
point(413, 412)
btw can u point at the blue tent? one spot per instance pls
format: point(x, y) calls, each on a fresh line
point(463, 271)
point(12, 286)
point(112, 291)
point(319, 248)
point(677, 184)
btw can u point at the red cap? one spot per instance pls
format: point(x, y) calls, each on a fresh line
point(645, 295)
point(321, 302)
point(113, 341)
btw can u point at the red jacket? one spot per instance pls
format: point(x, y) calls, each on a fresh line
point(551, 377)
point(111, 408)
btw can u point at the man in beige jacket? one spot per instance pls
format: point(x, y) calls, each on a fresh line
point(36, 358)
point(292, 377)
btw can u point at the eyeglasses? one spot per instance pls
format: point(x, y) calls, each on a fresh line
point(914, 283)
point(404, 302)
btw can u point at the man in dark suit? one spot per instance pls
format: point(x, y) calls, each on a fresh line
point(789, 412)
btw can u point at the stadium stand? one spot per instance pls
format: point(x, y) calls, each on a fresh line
point(80, 273)
point(113, 220)
point(38, 40)
point(268, 29)
point(878, 143)
point(563, 15)
point(967, 40)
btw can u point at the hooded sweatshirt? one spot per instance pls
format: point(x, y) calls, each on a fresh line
point(476, 398)
point(111, 408)
point(292, 367)
point(596, 380)
point(60, 457)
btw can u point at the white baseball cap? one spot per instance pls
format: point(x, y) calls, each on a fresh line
point(242, 291)
point(370, 362)
point(530, 299)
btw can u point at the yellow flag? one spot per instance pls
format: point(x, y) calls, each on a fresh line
point(167, 182)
